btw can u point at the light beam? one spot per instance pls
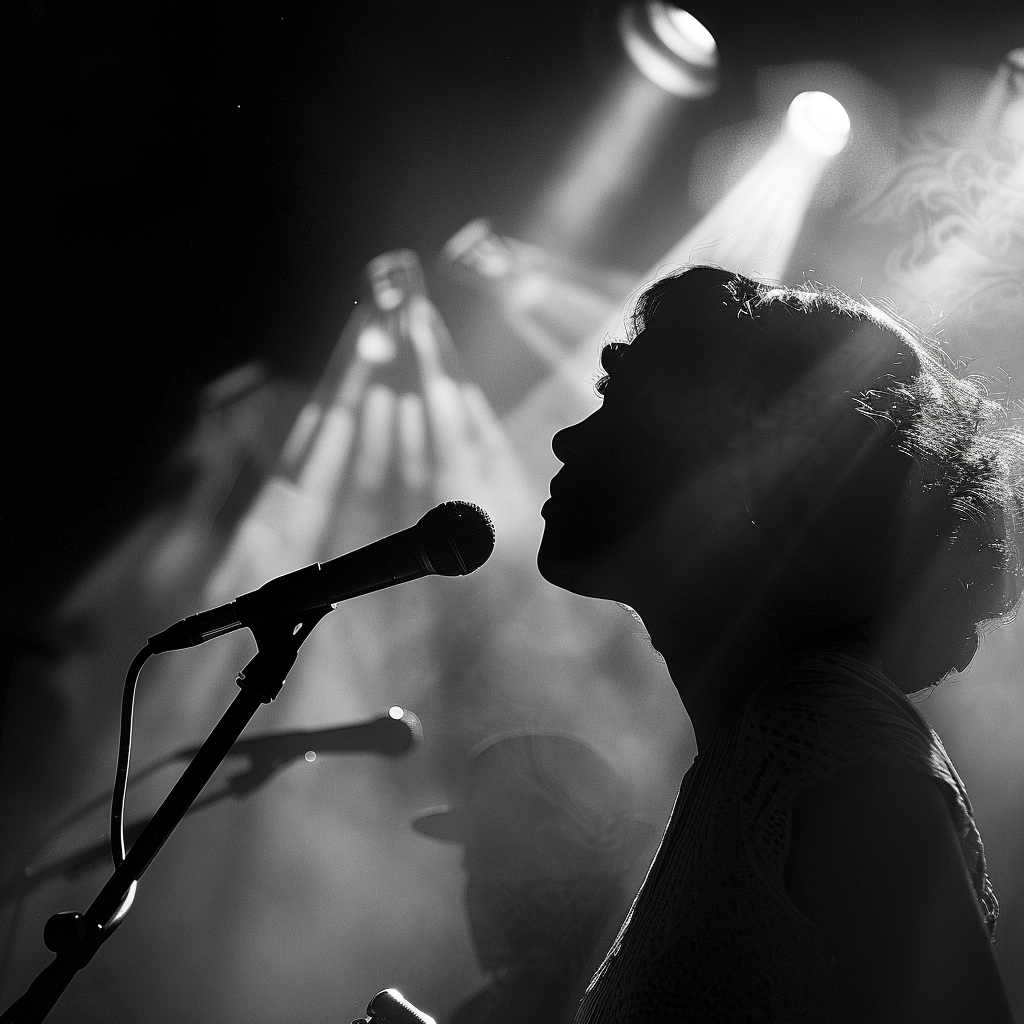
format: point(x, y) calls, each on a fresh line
point(603, 166)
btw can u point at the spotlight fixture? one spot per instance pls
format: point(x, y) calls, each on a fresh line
point(819, 122)
point(671, 47)
point(1002, 111)
point(479, 253)
point(1013, 63)
point(394, 278)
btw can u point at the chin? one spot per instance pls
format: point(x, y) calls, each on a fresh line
point(551, 568)
point(571, 567)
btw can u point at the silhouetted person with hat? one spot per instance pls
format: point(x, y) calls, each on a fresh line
point(548, 844)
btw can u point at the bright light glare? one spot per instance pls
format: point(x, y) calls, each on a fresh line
point(396, 712)
point(375, 345)
point(672, 48)
point(683, 34)
point(819, 122)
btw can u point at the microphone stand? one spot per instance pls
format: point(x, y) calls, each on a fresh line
point(75, 938)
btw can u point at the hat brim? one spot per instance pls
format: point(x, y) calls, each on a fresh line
point(447, 824)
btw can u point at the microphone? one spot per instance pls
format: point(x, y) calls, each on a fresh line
point(390, 735)
point(452, 539)
point(391, 1007)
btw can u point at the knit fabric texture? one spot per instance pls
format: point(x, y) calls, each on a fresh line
point(713, 935)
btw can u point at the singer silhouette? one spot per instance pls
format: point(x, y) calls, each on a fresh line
point(811, 516)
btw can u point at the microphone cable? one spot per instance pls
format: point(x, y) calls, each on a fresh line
point(124, 754)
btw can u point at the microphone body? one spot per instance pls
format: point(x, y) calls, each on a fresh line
point(391, 735)
point(452, 539)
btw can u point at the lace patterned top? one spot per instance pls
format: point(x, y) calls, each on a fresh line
point(712, 935)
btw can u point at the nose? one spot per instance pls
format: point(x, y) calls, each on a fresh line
point(569, 440)
point(561, 443)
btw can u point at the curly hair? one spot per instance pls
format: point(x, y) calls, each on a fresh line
point(930, 456)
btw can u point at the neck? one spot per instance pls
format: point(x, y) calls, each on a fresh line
point(717, 658)
point(713, 681)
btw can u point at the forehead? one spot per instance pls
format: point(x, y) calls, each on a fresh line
point(707, 403)
point(653, 363)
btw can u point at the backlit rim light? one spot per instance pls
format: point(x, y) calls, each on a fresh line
point(670, 47)
point(819, 121)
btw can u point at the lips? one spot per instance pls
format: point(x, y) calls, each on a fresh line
point(561, 487)
point(565, 500)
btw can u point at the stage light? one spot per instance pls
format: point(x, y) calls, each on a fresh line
point(670, 58)
point(1002, 110)
point(375, 345)
point(683, 34)
point(394, 278)
point(819, 122)
point(482, 253)
point(391, 426)
point(546, 302)
point(670, 47)
point(754, 227)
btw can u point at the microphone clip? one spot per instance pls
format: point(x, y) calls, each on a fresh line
point(278, 646)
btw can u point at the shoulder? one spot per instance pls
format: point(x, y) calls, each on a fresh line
point(832, 717)
point(852, 812)
point(815, 717)
point(876, 863)
point(867, 821)
point(828, 710)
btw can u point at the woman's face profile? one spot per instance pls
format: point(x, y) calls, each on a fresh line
point(622, 466)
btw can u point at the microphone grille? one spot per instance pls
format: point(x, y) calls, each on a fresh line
point(398, 735)
point(391, 1007)
point(457, 537)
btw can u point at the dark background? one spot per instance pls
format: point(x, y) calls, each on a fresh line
point(190, 187)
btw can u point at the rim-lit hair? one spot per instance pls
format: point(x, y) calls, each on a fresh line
point(928, 452)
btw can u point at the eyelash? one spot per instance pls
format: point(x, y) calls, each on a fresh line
point(610, 355)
